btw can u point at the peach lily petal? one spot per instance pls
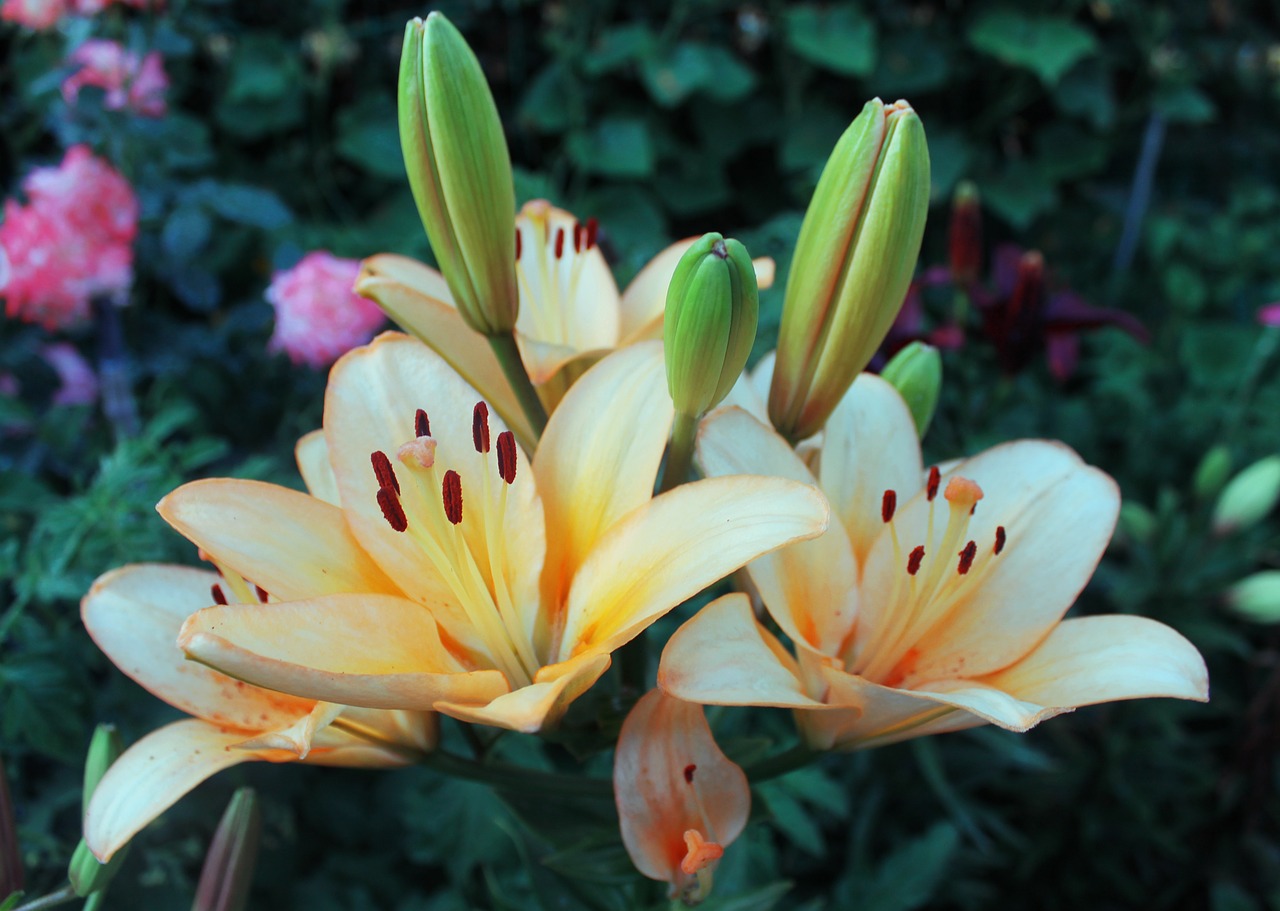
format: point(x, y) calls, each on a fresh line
point(312, 455)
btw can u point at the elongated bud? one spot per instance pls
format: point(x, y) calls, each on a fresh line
point(228, 866)
point(1212, 472)
point(1249, 496)
point(87, 874)
point(1256, 597)
point(460, 171)
point(964, 235)
point(1137, 522)
point(854, 260)
point(710, 322)
point(10, 854)
point(916, 372)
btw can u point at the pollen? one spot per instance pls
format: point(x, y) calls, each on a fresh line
point(480, 427)
point(559, 243)
point(451, 492)
point(383, 471)
point(935, 478)
point(688, 773)
point(218, 596)
point(519, 243)
point(507, 456)
point(261, 593)
point(966, 557)
point(915, 559)
point(421, 423)
point(392, 511)
point(1000, 539)
point(888, 505)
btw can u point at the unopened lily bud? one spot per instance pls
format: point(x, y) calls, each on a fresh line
point(710, 322)
point(964, 235)
point(1256, 597)
point(228, 866)
point(1137, 522)
point(853, 262)
point(10, 855)
point(916, 372)
point(87, 874)
point(1249, 496)
point(1212, 472)
point(460, 171)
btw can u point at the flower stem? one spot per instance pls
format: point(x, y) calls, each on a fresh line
point(680, 453)
point(514, 778)
point(797, 757)
point(52, 900)
point(508, 354)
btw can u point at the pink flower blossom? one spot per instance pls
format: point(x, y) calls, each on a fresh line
point(71, 242)
point(78, 384)
point(34, 14)
point(318, 316)
point(138, 85)
point(1270, 314)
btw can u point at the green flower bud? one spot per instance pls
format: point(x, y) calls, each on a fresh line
point(1249, 496)
point(1212, 472)
point(1257, 597)
point(853, 262)
point(460, 171)
point(87, 874)
point(1136, 522)
point(228, 866)
point(916, 372)
point(710, 322)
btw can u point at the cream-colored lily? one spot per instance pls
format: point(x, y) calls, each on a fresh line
point(134, 614)
point(455, 576)
point(571, 313)
point(936, 602)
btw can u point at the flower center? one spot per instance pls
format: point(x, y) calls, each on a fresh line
point(549, 263)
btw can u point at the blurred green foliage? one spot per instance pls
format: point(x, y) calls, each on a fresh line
point(663, 120)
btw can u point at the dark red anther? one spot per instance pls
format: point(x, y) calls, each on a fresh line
point(1000, 537)
point(888, 504)
point(507, 456)
point(935, 478)
point(451, 491)
point(480, 427)
point(593, 231)
point(688, 772)
point(216, 590)
point(392, 511)
point(519, 247)
point(916, 558)
point(421, 424)
point(559, 242)
point(966, 557)
point(383, 471)
point(579, 237)
point(262, 593)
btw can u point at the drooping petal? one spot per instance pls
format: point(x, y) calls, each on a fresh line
point(291, 544)
point(364, 650)
point(676, 545)
point(312, 456)
point(538, 705)
point(809, 588)
point(134, 614)
point(670, 779)
point(297, 737)
point(722, 656)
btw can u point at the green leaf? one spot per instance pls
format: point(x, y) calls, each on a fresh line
point(1018, 193)
point(791, 818)
point(248, 205)
point(368, 138)
point(615, 146)
point(1085, 92)
point(675, 74)
point(911, 62)
point(186, 232)
point(551, 100)
point(840, 38)
point(1046, 45)
point(1185, 104)
point(762, 899)
point(618, 47)
point(908, 878)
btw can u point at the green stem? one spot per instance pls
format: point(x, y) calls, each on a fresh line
point(508, 354)
point(797, 757)
point(52, 900)
point(680, 453)
point(514, 778)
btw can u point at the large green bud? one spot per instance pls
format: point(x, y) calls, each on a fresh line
point(710, 322)
point(460, 171)
point(854, 259)
point(89, 877)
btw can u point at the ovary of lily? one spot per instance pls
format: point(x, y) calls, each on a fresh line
point(571, 313)
point(133, 614)
point(936, 602)
point(454, 575)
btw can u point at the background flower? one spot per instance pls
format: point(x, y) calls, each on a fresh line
point(133, 83)
point(318, 316)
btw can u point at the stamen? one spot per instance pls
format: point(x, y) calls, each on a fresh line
point(966, 557)
point(421, 424)
point(451, 490)
point(419, 453)
point(935, 478)
point(688, 772)
point(888, 504)
point(963, 492)
point(593, 230)
point(1000, 538)
point(392, 511)
point(262, 593)
point(383, 471)
point(698, 852)
point(507, 456)
point(579, 237)
point(916, 558)
point(480, 427)
point(519, 246)
point(216, 590)
point(559, 243)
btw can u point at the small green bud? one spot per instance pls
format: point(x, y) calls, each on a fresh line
point(710, 322)
point(1212, 473)
point(916, 372)
point(1249, 496)
point(854, 259)
point(1257, 597)
point(228, 866)
point(1136, 522)
point(87, 874)
point(460, 171)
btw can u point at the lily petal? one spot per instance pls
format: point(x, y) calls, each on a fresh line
point(539, 705)
point(312, 455)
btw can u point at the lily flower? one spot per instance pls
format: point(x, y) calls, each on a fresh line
point(936, 602)
point(134, 614)
point(455, 576)
point(570, 316)
point(681, 801)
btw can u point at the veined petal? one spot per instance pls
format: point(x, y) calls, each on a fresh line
point(374, 651)
point(418, 299)
point(1088, 660)
point(288, 542)
point(312, 456)
point(676, 545)
point(134, 614)
point(722, 656)
point(539, 705)
point(809, 588)
point(543, 360)
point(153, 775)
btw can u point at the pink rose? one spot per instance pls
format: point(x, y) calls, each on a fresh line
point(318, 316)
point(130, 83)
point(34, 14)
